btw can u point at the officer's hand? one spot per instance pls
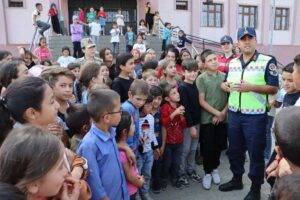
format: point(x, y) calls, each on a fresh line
point(225, 86)
point(242, 87)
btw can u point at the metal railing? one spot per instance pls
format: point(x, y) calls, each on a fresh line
point(35, 38)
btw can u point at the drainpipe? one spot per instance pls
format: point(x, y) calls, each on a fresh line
point(3, 16)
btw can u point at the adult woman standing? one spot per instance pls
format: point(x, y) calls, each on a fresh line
point(53, 13)
point(149, 17)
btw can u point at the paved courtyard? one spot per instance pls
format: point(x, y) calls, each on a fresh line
point(196, 192)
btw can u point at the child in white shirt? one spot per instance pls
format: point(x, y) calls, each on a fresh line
point(95, 32)
point(65, 59)
point(115, 39)
point(139, 45)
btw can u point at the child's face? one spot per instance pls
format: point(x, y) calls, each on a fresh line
point(119, 11)
point(104, 71)
point(115, 115)
point(148, 57)
point(115, 26)
point(296, 77)
point(142, 23)
point(147, 108)
point(180, 34)
point(128, 29)
point(129, 66)
point(190, 75)
point(139, 39)
point(40, 8)
point(157, 102)
point(76, 72)
point(152, 53)
point(97, 80)
point(174, 96)
point(101, 9)
point(22, 70)
point(211, 62)
point(288, 83)
point(63, 88)
point(170, 70)
point(171, 56)
point(65, 53)
point(185, 56)
point(49, 108)
point(152, 80)
point(137, 100)
point(169, 26)
point(92, 9)
point(52, 182)
point(43, 43)
point(136, 55)
point(132, 127)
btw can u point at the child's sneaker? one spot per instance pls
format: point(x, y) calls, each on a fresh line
point(183, 181)
point(164, 185)
point(195, 177)
point(146, 197)
point(178, 186)
point(216, 177)
point(206, 181)
point(156, 189)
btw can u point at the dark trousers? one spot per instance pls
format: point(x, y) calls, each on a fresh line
point(77, 50)
point(211, 145)
point(163, 47)
point(156, 173)
point(172, 158)
point(128, 48)
point(247, 132)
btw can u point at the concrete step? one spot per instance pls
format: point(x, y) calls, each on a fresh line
point(56, 43)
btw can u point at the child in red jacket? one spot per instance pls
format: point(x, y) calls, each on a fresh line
point(172, 118)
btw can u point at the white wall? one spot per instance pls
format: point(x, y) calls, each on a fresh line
point(168, 13)
point(284, 37)
point(212, 33)
point(19, 22)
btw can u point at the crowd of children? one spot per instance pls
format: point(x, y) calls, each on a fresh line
point(100, 129)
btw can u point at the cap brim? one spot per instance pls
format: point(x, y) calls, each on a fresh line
point(246, 34)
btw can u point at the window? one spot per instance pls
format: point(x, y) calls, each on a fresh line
point(247, 16)
point(181, 5)
point(15, 3)
point(281, 19)
point(212, 15)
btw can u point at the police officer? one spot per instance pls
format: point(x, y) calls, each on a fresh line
point(251, 78)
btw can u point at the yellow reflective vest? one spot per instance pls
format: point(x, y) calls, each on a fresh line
point(253, 73)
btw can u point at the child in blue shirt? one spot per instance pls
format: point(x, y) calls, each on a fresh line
point(106, 177)
point(167, 34)
point(137, 95)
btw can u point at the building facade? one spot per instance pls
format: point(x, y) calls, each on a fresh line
point(209, 19)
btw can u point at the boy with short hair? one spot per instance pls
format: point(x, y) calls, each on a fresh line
point(150, 76)
point(292, 94)
point(78, 121)
point(36, 19)
point(148, 148)
point(167, 34)
point(95, 32)
point(213, 101)
point(106, 177)
point(115, 38)
point(189, 99)
point(129, 38)
point(296, 75)
point(137, 95)
point(157, 94)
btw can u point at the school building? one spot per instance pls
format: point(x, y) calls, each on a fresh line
point(209, 19)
